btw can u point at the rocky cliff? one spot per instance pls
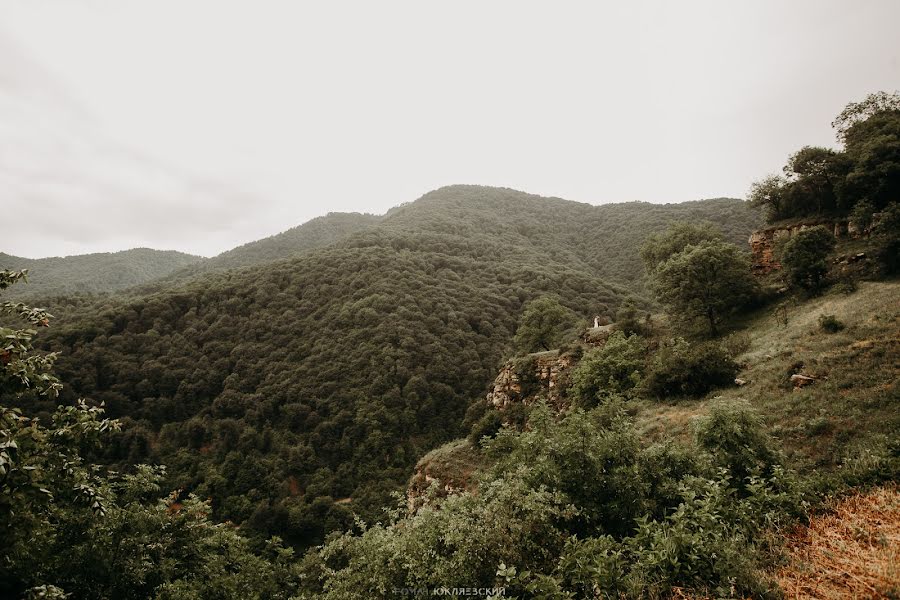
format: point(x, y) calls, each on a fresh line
point(531, 378)
point(764, 242)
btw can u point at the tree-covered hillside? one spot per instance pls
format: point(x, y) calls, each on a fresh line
point(91, 273)
point(603, 239)
point(316, 233)
point(301, 390)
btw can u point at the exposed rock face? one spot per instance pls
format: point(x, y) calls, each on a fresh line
point(526, 383)
point(764, 241)
point(449, 469)
point(597, 336)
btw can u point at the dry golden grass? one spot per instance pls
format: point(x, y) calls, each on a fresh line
point(852, 551)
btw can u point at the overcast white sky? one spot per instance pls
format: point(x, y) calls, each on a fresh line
point(200, 125)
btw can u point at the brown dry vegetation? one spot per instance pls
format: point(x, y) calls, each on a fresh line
point(852, 551)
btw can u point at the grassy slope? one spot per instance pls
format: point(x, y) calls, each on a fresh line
point(841, 422)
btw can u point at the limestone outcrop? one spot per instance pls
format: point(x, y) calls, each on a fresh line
point(764, 242)
point(537, 376)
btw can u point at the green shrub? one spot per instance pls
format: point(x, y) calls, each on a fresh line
point(736, 440)
point(805, 255)
point(887, 238)
point(830, 323)
point(488, 425)
point(847, 285)
point(600, 446)
point(737, 343)
point(680, 368)
point(573, 507)
point(614, 368)
point(630, 321)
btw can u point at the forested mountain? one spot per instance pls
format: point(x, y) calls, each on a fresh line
point(603, 240)
point(316, 233)
point(100, 272)
point(295, 392)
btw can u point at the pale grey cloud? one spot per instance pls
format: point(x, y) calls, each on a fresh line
point(198, 124)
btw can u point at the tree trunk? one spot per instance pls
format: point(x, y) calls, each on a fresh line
point(711, 317)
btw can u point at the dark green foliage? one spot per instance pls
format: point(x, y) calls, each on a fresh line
point(92, 273)
point(68, 524)
point(820, 181)
point(293, 243)
point(660, 247)
point(72, 530)
point(612, 369)
point(887, 239)
point(830, 323)
point(488, 425)
point(680, 368)
point(573, 508)
point(277, 392)
point(283, 390)
point(863, 214)
point(706, 282)
point(545, 324)
point(630, 320)
point(734, 436)
point(21, 369)
point(805, 256)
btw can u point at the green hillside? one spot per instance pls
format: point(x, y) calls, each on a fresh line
point(302, 390)
point(316, 233)
point(601, 239)
point(92, 273)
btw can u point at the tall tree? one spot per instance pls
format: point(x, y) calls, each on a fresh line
point(859, 112)
point(804, 256)
point(659, 247)
point(706, 281)
point(544, 325)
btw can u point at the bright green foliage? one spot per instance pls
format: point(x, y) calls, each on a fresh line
point(660, 247)
point(681, 368)
point(463, 544)
point(573, 508)
point(805, 256)
point(706, 281)
point(734, 436)
point(21, 369)
point(611, 369)
point(600, 447)
point(545, 324)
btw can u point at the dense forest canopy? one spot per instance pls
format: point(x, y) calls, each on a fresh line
point(863, 176)
point(601, 239)
point(91, 273)
point(300, 390)
point(316, 233)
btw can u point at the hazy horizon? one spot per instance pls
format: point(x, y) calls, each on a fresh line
point(379, 214)
point(198, 127)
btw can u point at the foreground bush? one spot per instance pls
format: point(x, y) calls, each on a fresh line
point(573, 508)
point(614, 368)
point(680, 368)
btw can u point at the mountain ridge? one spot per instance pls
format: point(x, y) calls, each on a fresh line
point(601, 238)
